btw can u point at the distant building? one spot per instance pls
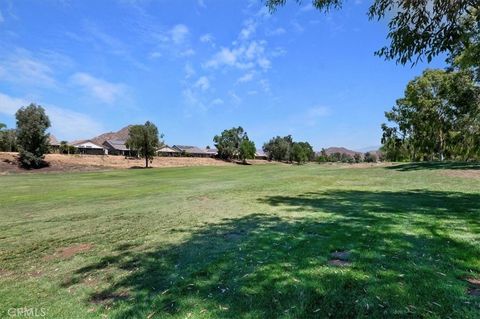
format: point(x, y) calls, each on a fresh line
point(261, 155)
point(167, 151)
point(89, 148)
point(194, 151)
point(54, 144)
point(117, 147)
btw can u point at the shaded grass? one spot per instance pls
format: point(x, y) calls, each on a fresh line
point(250, 242)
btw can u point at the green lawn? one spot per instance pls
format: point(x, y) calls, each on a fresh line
point(242, 242)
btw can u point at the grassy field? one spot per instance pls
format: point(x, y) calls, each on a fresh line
point(243, 242)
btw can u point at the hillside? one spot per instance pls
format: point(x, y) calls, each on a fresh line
point(343, 150)
point(119, 135)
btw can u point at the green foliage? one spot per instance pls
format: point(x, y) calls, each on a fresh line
point(437, 119)
point(65, 148)
point(323, 157)
point(419, 28)
point(369, 157)
point(357, 158)
point(145, 140)
point(32, 138)
point(247, 150)
point(302, 152)
point(8, 139)
point(278, 148)
point(228, 142)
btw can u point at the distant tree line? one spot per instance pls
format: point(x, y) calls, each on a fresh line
point(340, 157)
point(284, 149)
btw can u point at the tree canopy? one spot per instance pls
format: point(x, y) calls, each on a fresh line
point(247, 150)
point(31, 135)
point(145, 140)
point(437, 119)
point(229, 141)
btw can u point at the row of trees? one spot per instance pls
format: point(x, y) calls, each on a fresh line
point(368, 157)
point(31, 139)
point(284, 149)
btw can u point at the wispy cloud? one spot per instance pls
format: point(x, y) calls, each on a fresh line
point(203, 83)
point(21, 67)
point(313, 114)
point(174, 41)
point(66, 124)
point(277, 31)
point(100, 89)
point(247, 77)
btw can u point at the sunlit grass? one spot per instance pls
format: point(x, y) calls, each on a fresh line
point(250, 242)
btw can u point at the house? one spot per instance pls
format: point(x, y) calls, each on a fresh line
point(193, 151)
point(261, 155)
point(167, 151)
point(89, 148)
point(54, 144)
point(117, 147)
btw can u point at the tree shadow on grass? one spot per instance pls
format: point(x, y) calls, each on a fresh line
point(264, 266)
point(435, 165)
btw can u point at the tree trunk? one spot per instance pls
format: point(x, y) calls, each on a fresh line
point(146, 161)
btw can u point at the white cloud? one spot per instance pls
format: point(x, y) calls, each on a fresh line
point(248, 30)
point(188, 52)
point(247, 77)
point(277, 31)
point(235, 98)
point(217, 102)
point(66, 124)
point(244, 56)
point(22, 68)
point(203, 83)
point(313, 114)
point(179, 33)
point(207, 38)
point(104, 91)
point(189, 70)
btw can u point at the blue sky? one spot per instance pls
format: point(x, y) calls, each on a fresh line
point(196, 67)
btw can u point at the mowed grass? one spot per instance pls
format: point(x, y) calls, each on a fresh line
point(242, 242)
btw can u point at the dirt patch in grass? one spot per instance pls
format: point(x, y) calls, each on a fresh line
point(474, 289)
point(110, 298)
point(342, 255)
point(5, 273)
point(340, 258)
point(67, 252)
point(468, 173)
point(339, 263)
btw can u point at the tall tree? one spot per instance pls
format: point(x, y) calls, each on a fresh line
point(419, 28)
point(279, 148)
point(247, 150)
point(32, 136)
point(145, 140)
point(228, 142)
point(438, 118)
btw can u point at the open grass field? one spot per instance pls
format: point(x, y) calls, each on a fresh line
point(243, 242)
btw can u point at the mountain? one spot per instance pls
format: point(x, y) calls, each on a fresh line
point(121, 135)
point(341, 150)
